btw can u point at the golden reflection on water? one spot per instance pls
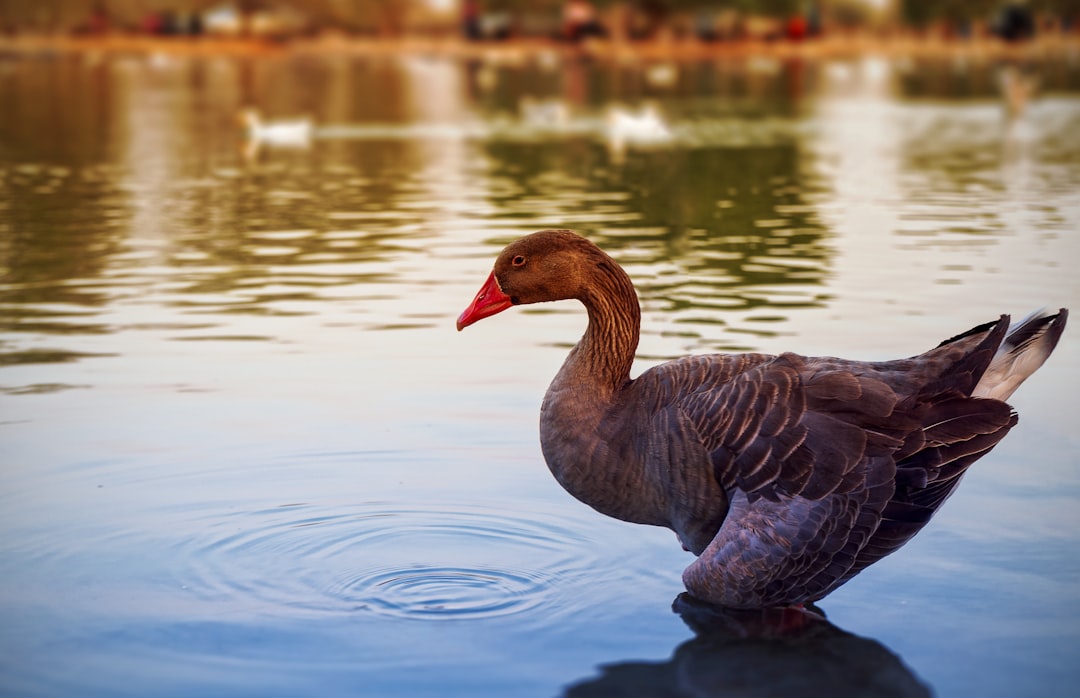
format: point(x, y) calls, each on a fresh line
point(862, 200)
point(799, 187)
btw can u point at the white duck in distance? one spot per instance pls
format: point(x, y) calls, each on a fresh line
point(785, 475)
point(294, 133)
point(645, 126)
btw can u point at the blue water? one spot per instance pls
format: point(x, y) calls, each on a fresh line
point(245, 453)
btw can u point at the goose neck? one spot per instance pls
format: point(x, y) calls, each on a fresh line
point(607, 349)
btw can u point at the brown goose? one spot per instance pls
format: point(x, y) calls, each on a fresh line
point(786, 475)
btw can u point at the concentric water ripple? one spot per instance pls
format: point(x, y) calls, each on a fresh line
point(439, 591)
point(392, 561)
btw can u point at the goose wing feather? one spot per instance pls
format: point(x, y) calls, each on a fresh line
point(829, 465)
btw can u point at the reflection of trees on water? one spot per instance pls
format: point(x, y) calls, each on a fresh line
point(776, 653)
point(719, 228)
point(61, 216)
point(57, 110)
point(977, 77)
point(52, 236)
point(54, 133)
point(951, 160)
point(750, 86)
point(714, 229)
point(54, 249)
point(169, 123)
point(123, 177)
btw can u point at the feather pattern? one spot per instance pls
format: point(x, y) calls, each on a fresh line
point(785, 475)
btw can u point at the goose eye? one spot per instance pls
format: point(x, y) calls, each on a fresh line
point(518, 261)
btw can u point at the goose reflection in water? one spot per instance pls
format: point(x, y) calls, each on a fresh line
point(776, 652)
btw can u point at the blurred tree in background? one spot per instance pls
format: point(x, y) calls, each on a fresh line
point(396, 17)
point(922, 13)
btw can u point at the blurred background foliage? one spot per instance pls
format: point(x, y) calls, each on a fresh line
point(501, 19)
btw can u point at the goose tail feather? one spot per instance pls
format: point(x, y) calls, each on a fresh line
point(1024, 349)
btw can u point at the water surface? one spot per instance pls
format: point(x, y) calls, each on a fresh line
point(245, 453)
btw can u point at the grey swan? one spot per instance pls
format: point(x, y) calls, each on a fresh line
point(785, 475)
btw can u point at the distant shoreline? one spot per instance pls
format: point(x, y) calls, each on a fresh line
point(827, 47)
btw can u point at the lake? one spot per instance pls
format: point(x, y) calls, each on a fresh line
point(244, 451)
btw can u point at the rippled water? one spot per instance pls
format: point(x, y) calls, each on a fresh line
point(244, 451)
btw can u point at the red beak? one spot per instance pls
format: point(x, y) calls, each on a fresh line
point(489, 300)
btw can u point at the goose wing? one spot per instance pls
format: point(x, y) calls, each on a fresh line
point(831, 464)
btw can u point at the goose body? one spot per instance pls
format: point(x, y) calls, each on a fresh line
point(785, 475)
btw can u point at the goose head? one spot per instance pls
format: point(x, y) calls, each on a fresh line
point(550, 265)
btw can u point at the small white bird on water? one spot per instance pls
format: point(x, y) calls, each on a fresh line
point(295, 133)
point(645, 126)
